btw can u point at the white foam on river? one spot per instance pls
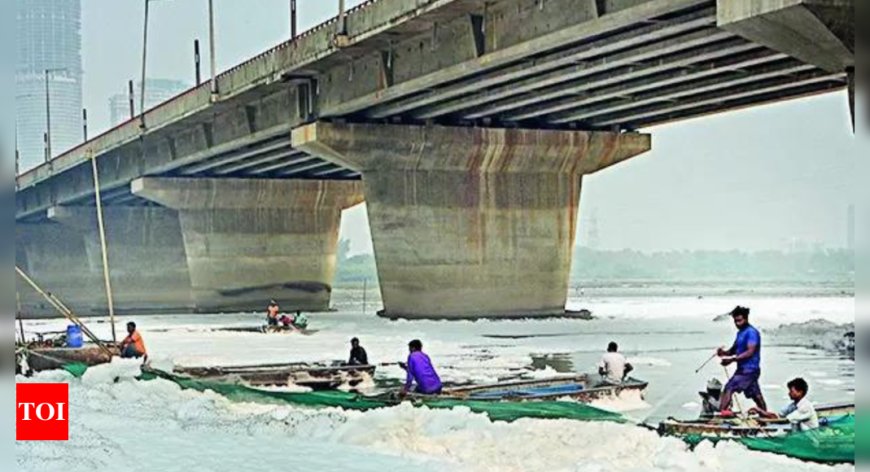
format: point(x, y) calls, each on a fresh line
point(132, 425)
point(121, 423)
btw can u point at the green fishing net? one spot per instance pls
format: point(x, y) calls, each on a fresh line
point(495, 410)
point(77, 369)
point(832, 443)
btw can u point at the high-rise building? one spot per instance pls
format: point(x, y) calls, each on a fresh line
point(48, 78)
point(157, 91)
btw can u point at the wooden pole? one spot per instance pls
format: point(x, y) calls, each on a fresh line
point(62, 309)
point(18, 313)
point(365, 293)
point(103, 248)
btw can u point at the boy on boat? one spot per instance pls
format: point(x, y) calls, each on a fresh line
point(420, 371)
point(614, 366)
point(272, 313)
point(132, 346)
point(746, 352)
point(358, 355)
point(801, 413)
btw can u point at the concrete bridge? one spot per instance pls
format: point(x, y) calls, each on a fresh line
point(466, 125)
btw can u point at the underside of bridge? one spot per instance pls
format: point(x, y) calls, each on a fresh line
point(476, 118)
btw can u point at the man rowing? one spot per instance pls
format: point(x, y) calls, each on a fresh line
point(746, 352)
point(420, 372)
point(613, 365)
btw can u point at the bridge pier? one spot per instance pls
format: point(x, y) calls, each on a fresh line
point(57, 260)
point(470, 222)
point(146, 256)
point(247, 241)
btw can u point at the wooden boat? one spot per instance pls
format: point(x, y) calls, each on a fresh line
point(314, 376)
point(265, 329)
point(734, 428)
point(50, 358)
point(583, 388)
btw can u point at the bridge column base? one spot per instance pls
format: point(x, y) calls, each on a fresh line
point(470, 222)
point(146, 255)
point(248, 241)
point(57, 261)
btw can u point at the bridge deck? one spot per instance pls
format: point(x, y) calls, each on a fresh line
point(451, 62)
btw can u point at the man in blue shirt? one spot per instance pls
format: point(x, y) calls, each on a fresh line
point(746, 352)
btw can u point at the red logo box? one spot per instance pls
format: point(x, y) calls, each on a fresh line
point(42, 412)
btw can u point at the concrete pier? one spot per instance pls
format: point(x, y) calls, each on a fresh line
point(470, 222)
point(56, 259)
point(146, 255)
point(247, 241)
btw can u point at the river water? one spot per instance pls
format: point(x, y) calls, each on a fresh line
point(667, 332)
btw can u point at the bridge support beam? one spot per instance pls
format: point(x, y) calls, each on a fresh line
point(247, 241)
point(817, 32)
point(470, 222)
point(146, 256)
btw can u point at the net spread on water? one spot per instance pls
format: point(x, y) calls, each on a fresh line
point(496, 411)
point(834, 443)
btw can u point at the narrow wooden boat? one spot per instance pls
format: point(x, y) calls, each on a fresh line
point(583, 388)
point(734, 428)
point(37, 359)
point(265, 329)
point(314, 376)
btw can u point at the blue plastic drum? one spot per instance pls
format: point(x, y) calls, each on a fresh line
point(74, 336)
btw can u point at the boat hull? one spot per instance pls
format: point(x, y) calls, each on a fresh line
point(317, 377)
point(581, 388)
point(52, 358)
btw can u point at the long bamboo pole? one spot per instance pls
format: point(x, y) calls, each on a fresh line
point(18, 315)
point(103, 249)
point(62, 309)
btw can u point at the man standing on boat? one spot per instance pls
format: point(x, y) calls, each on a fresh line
point(800, 412)
point(358, 355)
point(132, 346)
point(420, 371)
point(614, 366)
point(746, 352)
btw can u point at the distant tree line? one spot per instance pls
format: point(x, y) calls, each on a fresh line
point(829, 265)
point(590, 264)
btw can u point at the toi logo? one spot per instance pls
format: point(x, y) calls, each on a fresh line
point(42, 412)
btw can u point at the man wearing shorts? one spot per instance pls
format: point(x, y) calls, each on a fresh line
point(746, 352)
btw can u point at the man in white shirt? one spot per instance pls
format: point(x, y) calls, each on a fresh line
point(613, 366)
point(800, 412)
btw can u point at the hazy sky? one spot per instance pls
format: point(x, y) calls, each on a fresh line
point(751, 179)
